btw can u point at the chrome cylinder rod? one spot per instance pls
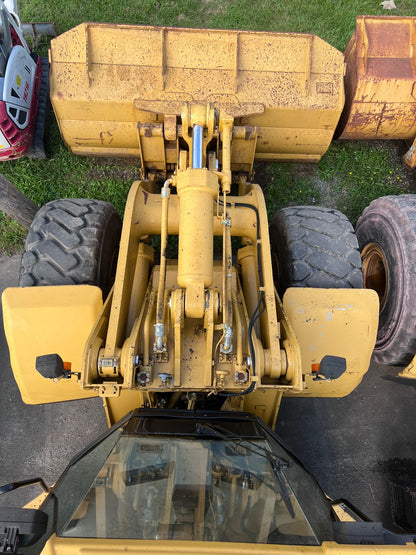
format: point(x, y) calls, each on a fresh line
point(197, 146)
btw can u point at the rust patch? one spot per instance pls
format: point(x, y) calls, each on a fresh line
point(390, 68)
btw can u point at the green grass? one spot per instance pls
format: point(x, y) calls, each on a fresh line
point(12, 235)
point(332, 20)
point(360, 172)
point(348, 177)
point(284, 185)
point(64, 175)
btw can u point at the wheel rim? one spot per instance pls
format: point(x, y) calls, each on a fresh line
point(375, 271)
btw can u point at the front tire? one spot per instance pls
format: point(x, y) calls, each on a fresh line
point(314, 246)
point(72, 242)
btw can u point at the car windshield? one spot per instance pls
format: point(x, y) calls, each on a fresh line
point(189, 479)
point(5, 42)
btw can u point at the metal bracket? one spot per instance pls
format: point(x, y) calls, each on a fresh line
point(108, 367)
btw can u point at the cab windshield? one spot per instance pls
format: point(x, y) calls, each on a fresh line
point(187, 479)
point(188, 489)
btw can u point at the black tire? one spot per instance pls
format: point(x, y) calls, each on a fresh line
point(72, 242)
point(386, 232)
point(314, 247)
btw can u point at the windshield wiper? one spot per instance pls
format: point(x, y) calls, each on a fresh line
point(277, 464)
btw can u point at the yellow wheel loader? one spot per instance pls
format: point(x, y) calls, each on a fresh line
point(191, 319)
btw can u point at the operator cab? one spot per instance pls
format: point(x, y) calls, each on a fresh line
point(168, 476)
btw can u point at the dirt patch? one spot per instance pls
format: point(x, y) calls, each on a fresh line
point(214, 7)
point(329, 195)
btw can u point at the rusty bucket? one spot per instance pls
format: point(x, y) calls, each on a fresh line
point(380, 80)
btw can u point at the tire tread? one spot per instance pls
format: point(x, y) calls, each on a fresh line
point(63, 243)
point(396, 341)
point(319, 248)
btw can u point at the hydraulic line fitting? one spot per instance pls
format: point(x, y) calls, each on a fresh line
point(226, 345)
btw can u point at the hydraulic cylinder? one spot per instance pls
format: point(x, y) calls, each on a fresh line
point(197, 189)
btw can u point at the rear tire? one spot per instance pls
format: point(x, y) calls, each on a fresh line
point(72, 242)
point(314, 246)
point(386, 232)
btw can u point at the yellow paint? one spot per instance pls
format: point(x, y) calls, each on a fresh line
point(116, 408)
point(289, 86)
point(264, 403)
point(18, 80)
point(196, 192)
point(183, 326)
point(126, 329)
point(78, 546)
point(334, 322)
point(37, 501)
point(46, 320)
point(337, 322)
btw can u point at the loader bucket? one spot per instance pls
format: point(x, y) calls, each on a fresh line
point(380, 81)
point(118, 90)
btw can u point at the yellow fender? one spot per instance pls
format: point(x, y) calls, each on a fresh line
point(46, 320)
